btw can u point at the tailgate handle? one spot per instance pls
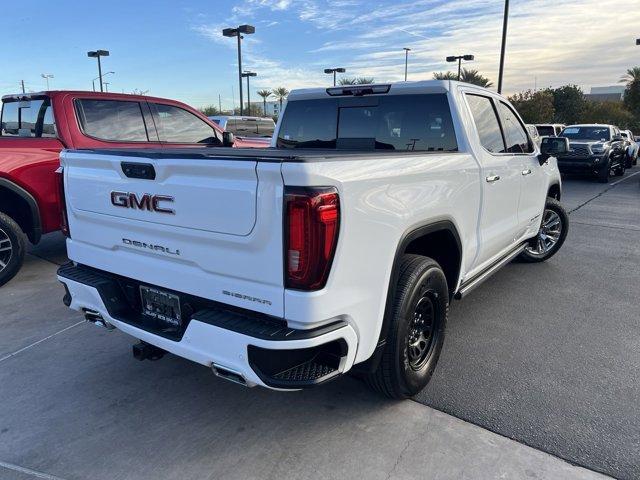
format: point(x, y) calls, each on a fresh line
point(144, 171)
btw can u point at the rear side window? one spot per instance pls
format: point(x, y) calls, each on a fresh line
point(112, 120)
point(487, 125)
point(514, 132)
point(176, 125)
point(31, 118)
point(393, 122)
point(547, 131)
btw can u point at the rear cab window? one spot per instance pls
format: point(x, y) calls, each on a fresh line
point(251, 127)
point(112, 120)
point(392, 122)
point(31, 118)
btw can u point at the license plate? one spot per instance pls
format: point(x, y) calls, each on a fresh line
point(161, 305)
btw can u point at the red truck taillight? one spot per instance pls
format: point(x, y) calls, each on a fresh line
point(64, 220)
point(311, 224)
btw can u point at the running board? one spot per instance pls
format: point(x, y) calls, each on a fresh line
point(481, 277)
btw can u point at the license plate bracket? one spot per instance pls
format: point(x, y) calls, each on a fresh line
point(162, 306)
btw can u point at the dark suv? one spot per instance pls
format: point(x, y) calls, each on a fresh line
point(597, 150)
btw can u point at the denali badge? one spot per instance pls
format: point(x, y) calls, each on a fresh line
point(146, 202)
point(150, 246)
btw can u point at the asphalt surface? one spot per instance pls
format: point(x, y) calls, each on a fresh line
point(74, 404)
point(549, 354)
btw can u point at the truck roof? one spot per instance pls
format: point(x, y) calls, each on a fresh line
point(422, 86)
point(54, 93)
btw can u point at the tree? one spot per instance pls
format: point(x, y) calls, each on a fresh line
point(264, 94)
point(347, 81)
point(280, 93)
point(466, 75)
point(613, 113)
point(632, 93)
point(445, 76)
point(569, 104)
point(364, 80)
point(210, 110)
point(534, 107)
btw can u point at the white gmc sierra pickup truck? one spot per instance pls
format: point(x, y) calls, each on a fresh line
point(339, 248)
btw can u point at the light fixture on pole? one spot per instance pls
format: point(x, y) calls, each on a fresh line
point(459, 58)
point(247, 75)
point(504, 44)
point(93, 82)
point(334, 71)
point(47, 76)
point(406, 61)
point(97, 54)
point(238, 32)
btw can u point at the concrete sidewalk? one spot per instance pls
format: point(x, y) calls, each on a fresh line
point(78, 406)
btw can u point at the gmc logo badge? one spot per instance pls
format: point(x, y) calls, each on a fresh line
point(145, 202)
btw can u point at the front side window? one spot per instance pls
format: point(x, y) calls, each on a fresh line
point(176, 125)
point(112, 120)
point(394, 122)
point(29, 118)
point(487, 125)
point(514, 133)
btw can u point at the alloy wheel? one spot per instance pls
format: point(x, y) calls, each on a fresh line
point(548, 235)
point(6, 250)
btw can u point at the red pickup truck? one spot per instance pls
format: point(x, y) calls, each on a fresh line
point(35, 127)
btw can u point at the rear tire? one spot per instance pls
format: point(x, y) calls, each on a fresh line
point(420, 308)
point(552, 234)
point(12, 248)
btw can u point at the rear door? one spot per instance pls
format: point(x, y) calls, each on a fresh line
point(206, 225)
point(534, 182)
point(500, 176)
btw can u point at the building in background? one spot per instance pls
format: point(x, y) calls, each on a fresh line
point(613, 93)
point(273, 108)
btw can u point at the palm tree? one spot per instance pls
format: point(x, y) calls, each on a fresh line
point(445, 76)
point(280, 93)
point(347, 81)
point(264, 94)
point(468, 76)
point(364, 80)
point(474, 77)
point(632, 75)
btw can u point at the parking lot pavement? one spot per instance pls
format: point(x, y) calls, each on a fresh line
point(549, 354)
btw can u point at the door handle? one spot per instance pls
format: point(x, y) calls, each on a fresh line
point(526, 172)
point(493, 178)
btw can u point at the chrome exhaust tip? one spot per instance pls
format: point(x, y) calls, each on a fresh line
point(228, 374)
point(96, 318)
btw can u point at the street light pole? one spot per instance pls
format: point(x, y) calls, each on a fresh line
point(247, 75)
point(97, 54)
point(406, 61)
point(504, 44)
point(93, 82)
point(47, 76)
point(238, 32)
point(459, 58)
point(333, 71)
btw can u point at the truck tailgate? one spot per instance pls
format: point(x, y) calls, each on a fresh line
point(210, 227)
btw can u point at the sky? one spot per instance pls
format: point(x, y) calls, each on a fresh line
point(175, 48)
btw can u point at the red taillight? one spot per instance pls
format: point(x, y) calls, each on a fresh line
point(312, 221)
point(64, 221)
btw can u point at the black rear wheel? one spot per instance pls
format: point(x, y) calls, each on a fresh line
point(416, 333)
point(12, 248)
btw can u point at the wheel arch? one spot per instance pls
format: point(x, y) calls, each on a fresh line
point(439, 240)
point(22, 207)
point(554, 191)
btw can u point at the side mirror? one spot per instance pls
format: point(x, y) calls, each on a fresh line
point(227, 139)
point(552, 147)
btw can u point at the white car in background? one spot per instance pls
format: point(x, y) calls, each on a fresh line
point(632, 148)
point(247, 127)
point(550, 129)
point(533, 132)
